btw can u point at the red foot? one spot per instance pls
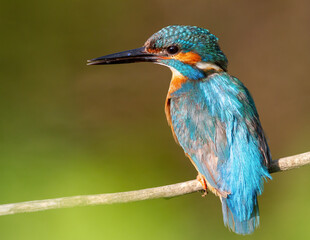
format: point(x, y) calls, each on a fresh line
point(203, 182)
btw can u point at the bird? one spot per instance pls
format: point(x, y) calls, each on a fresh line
point(212, 116)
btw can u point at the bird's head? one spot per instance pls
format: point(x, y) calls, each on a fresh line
point(191, 51)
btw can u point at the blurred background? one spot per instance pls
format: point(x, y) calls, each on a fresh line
point(70, 129)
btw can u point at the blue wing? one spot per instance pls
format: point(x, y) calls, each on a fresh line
point(216, 123)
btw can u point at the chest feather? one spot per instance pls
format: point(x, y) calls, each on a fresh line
point(176, 83)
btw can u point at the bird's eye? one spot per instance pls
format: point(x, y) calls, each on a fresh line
point(172, 49)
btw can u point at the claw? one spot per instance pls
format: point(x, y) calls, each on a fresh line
point(203, 182)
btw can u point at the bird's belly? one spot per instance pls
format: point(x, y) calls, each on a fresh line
point(200, 135)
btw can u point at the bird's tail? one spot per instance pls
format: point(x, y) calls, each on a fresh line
point(234, 223)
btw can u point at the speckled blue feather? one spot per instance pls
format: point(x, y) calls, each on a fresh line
point(189, 38)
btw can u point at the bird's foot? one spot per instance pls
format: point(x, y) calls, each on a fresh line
point(203, 182)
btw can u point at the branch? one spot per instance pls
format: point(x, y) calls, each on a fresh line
point(281, 164)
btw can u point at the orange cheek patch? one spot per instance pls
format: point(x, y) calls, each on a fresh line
point(188, 57)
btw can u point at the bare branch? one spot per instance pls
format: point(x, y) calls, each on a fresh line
point(288, 163)
point(168, 191)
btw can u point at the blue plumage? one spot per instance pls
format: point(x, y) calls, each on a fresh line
point(212, 116)
point(214, 126)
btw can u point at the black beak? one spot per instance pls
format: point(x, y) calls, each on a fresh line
point(130, 56)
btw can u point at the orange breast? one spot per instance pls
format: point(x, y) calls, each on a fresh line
point(176, 82)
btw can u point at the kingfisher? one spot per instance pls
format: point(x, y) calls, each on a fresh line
point(212, 117)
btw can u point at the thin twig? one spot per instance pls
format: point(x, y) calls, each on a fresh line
point(168, 191)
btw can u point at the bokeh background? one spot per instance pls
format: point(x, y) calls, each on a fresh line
point(70, 129)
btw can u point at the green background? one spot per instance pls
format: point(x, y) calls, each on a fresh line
point(70, 129)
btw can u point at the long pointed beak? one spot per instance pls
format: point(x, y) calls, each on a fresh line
point(130, 56)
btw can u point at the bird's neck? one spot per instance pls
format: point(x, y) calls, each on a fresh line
point(181, 75)
point(177, 81)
